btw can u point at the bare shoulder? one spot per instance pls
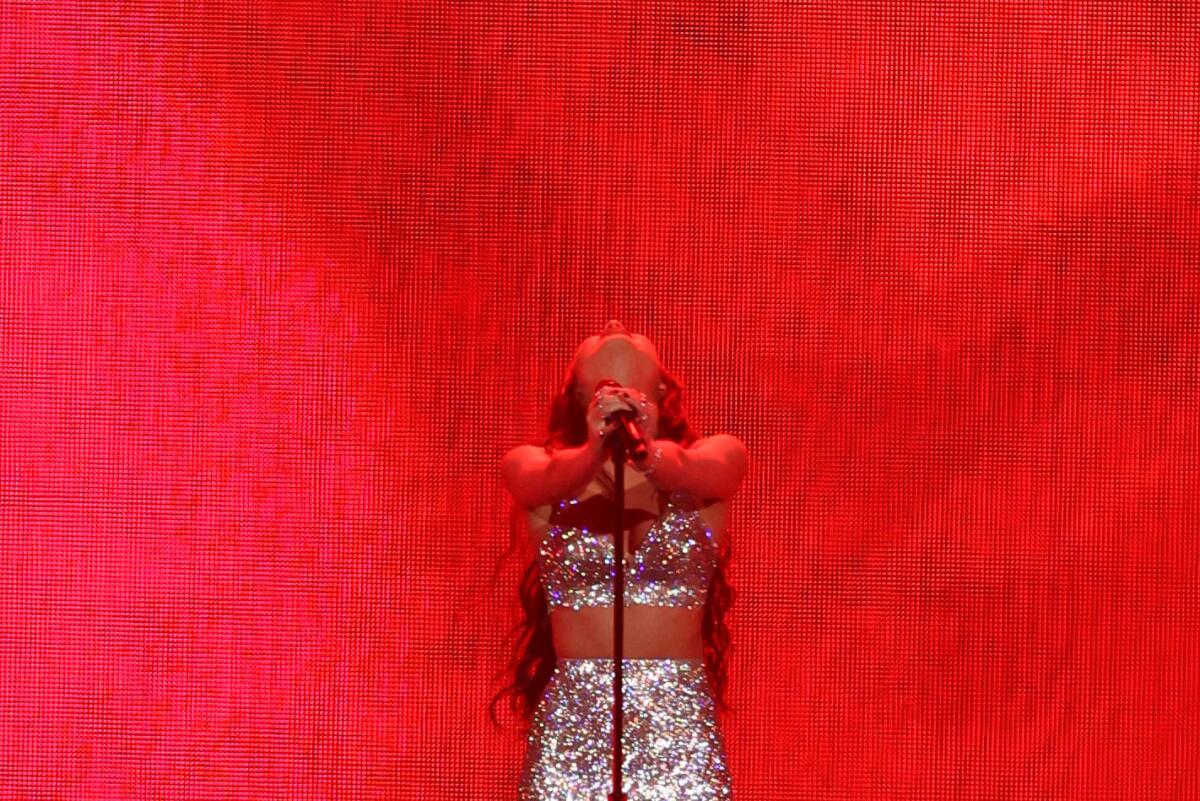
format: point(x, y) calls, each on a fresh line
point(725, 442)
point(517, 465)
point(522, 453)
point(725, 460)
point(714, 511)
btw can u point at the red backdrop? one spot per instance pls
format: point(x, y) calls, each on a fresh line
point(280, 282)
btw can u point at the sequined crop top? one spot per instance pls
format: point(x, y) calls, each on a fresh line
point(671, 566)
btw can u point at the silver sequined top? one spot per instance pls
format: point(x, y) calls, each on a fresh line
point(671, 566)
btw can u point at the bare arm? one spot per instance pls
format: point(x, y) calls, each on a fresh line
point(535, 477)
point(713, 467)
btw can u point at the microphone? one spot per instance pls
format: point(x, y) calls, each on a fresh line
point(635, 443)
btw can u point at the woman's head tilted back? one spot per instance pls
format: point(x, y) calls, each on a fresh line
point(629, 359)
point(632, 361)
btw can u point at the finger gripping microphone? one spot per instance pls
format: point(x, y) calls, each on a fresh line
point(635, 443)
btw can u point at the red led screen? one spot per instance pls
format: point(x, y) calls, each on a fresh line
point(281, 282)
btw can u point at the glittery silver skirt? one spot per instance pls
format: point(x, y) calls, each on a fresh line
point(673, 748)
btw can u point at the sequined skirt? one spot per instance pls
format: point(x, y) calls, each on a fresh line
point(673, 748)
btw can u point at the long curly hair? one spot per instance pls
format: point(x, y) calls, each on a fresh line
point(533, 657)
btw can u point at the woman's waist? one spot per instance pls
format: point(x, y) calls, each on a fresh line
point(631, 665)
point(633, 662)
point(590, 650)
point(649, 633)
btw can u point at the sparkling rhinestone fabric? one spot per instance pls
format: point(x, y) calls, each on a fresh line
point(670, 567)
point(673, 748)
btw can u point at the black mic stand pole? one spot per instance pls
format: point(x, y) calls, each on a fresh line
point(617, 444)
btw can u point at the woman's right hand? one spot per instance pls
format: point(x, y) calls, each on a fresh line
point(606, 400)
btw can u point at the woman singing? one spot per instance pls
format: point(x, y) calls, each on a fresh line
point(675, 594)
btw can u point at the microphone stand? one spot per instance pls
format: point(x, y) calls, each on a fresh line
point(617, 445)
point(626, 436)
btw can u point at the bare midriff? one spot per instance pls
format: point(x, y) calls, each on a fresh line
point(650, 632)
